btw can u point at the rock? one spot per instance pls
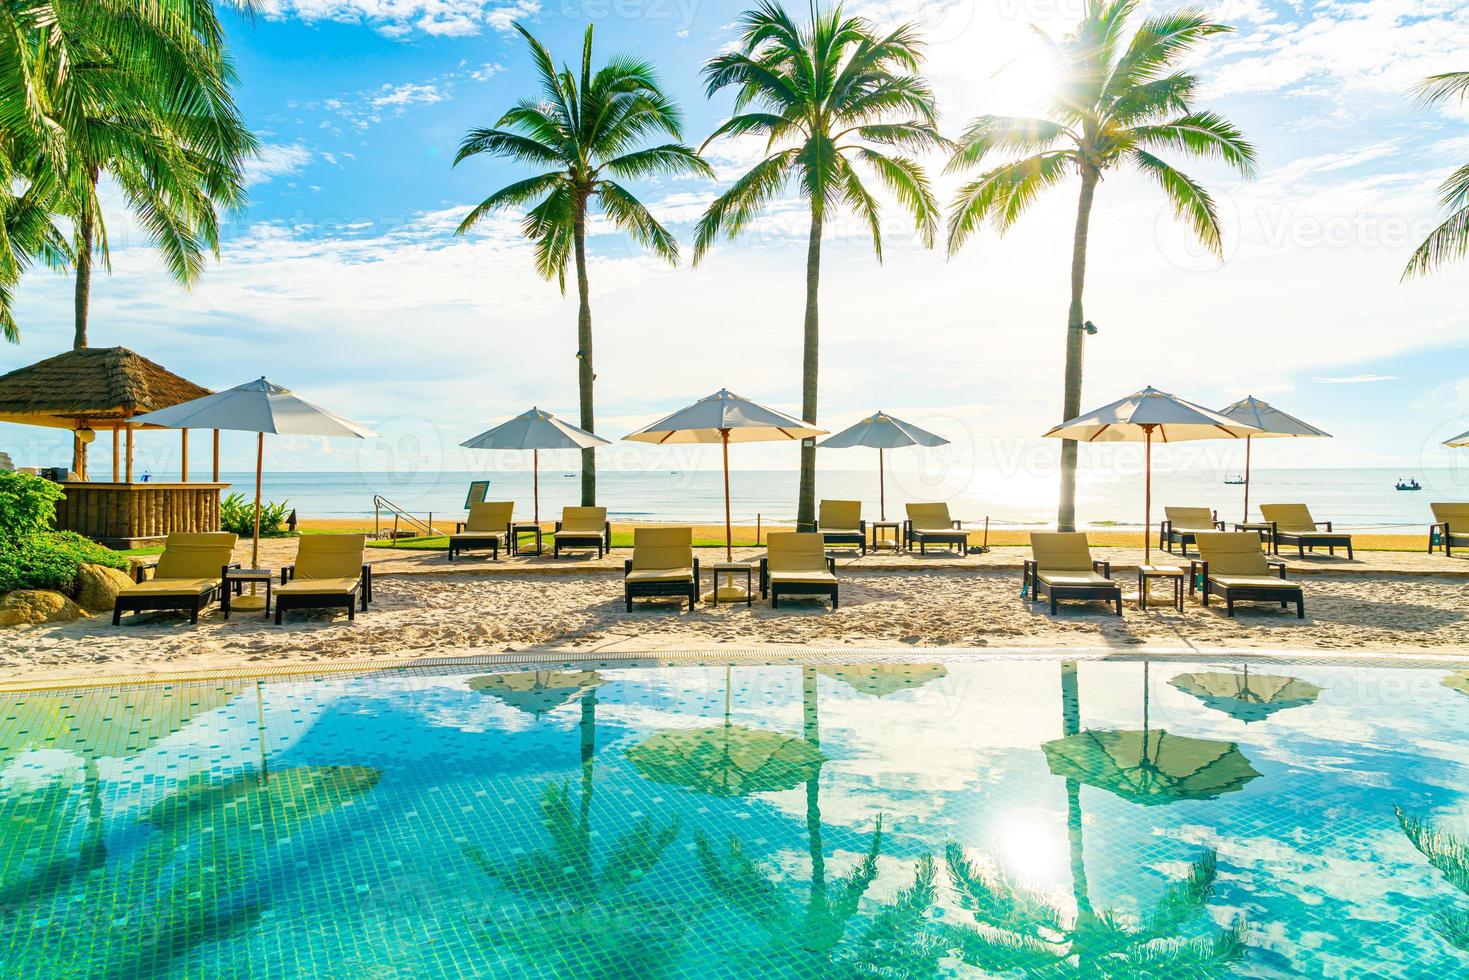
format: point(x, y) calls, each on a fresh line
point(28, 606)
point(98, 586)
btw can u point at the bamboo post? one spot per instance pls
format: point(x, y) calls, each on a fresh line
point(216, 456)
point(184, 460)
point(128, 473)
point(116, 456)
point(76, 451)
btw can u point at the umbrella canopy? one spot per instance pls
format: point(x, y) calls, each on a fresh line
point(91, 387)
point(1150, 767)
point(1457, 681)
point(1271, 423)
point(538, 691)
point(535, 430)
point(260, 407)
point(880, 680)
point(723, 418)
point(727, 760)
point(1141, 416)
point(882, 432)
point(1459, 441)
point(1248, 697)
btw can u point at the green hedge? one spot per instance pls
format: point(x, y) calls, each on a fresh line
point(27, 506)
point(51, 559)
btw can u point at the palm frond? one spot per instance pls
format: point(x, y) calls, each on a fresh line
point(670, 158)
point(500, 143)
point(511, 195)
point(629, 214)
point(1003, 194)
point(1013, 134)
point(1442, 88)
point(1201, 134)
point(731, 212)
point(1446, 853)
point(1448, 242)
point(1190, 201)
point(905, 179)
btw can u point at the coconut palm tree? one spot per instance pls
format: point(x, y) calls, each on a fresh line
point(1123, 101)
point(590, 129)
point(1448, 854)
point(826, 97)
point(1450, 240)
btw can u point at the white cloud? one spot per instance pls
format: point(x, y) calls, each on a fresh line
point(410, 93)
point(401, 18)
point(1355, 379)
point(276, 160)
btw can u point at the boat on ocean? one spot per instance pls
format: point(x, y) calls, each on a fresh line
point(1412, 484)
point(1234, 481)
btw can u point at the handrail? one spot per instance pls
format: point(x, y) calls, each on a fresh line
point(381, 503)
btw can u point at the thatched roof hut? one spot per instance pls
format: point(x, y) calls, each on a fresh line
point(97, 387)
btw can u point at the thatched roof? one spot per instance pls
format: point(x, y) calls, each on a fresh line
point(100, 385)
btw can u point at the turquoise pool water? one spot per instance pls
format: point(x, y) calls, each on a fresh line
point(963, 817)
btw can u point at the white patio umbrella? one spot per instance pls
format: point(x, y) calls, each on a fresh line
point(1139, 417)
point(1459, 441)
point(260, 407)
point(882, 432)
point(535, 430)
point(725, 417)
point(1272, 423)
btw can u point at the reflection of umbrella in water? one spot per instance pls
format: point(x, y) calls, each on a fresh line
point(880, 680)
point(1458, 681)
point(728, 759)
point(537, 691)
point(1245, 696)
point(1150, 767)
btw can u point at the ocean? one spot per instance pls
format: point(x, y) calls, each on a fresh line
point(1359, 499)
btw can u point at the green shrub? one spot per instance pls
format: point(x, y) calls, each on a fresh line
point(237, 515)
point(50, 560)
point(27, 505)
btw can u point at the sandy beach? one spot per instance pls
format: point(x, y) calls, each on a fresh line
point(427, 608)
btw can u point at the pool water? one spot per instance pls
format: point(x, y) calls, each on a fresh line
point(821, 818)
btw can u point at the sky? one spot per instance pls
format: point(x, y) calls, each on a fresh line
point(344, 281)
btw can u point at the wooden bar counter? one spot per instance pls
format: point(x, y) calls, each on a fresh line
point(134, 515)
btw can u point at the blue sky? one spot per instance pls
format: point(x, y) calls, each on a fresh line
point(343, 281)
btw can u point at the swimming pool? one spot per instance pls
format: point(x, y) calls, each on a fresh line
point(830, 817)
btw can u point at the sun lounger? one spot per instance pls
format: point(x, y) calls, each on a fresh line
point(931, 524)
point(188, 575)
point(840, 522)
point(1180, 524)
point(1062, 564)
point(330, 570)
point(584, 526)
point(1231, 566)
point(1293, 524)
point(662, 564)
point(1450, 528)
point(796, 563)
point(487, 526)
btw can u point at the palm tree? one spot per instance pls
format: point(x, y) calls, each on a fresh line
point(1122, 101)
point(588, 128)
point(1450, 240)
point(1449, 855)
point(824, 97)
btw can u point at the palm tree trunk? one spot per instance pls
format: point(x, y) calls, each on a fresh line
point(1071, 725)
point(584, 374)
point(1075, 338)
point(84, 233)
point(816, 906)
point(806, 501)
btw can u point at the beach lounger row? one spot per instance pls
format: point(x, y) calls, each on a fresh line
point(1281, 524)
point(491, 525)
point(330, 571)
point(1230, 566)
point(840, 523)
point(663, 565)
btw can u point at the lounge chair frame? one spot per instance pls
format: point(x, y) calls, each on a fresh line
point(1439, 535)
point(1111, 592)
point(602, 540)
point(1331, 540)
point(777, 589)
point(956, 538)
point(361, 592)
point(650, 590)
point(191, 604)
point(1168, 536)
point(845, 536)
point(459, 543)
point(1285, 594)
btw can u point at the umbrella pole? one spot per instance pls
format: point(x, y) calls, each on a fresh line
point(1247, 479)
point(728, 526)
point(882, 494)
point(1148, 497)
point(535, 482)
point(259, 469)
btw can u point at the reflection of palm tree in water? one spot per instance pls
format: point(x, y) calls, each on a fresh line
point(584, 912)
point(1449, 855)
point(1021, 930)
point(810, 941)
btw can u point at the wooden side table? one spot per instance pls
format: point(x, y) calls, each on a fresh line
point(235, 579)
point(1147, 573)
point(729, 569)
point(878, 541)
point(516, 530)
